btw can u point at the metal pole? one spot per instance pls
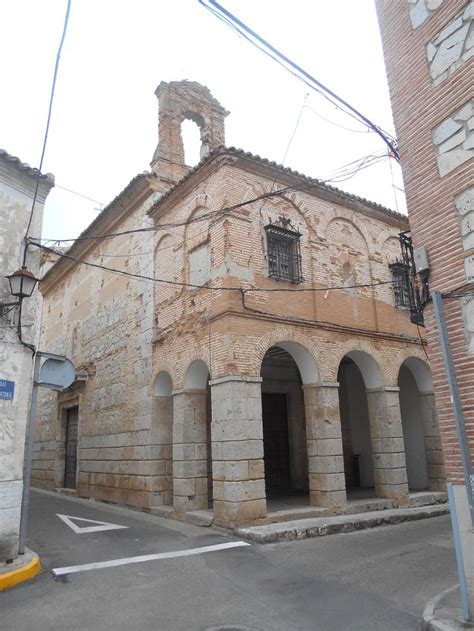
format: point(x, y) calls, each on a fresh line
point(25, 500)
point(455, 400)
point(458, 552)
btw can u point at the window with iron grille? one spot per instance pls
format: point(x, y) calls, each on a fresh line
point(401, 288)
point(284, 254)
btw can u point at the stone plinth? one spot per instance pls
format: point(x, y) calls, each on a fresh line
point(324, 440)
point(189, 450)
point(237, 450)
point(433, 447)
point(388, 448)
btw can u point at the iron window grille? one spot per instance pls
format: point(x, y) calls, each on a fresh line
point(284, 254)
point(401, 287)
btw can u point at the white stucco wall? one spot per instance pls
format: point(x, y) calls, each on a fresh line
point(17, 182)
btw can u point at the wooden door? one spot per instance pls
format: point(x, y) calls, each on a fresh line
point(275, 443)
point(72, 415)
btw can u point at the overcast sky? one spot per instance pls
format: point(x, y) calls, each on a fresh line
point(104, 123)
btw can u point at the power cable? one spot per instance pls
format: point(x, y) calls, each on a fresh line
point(209, 288)
point(48, 121)
point(178, 224)
point(69, 190)
point(259, 42)
point(355, 131)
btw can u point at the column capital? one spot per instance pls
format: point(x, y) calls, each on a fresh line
point(187, 391)
point(321, 384)
point(241, 378)
point(383, 389)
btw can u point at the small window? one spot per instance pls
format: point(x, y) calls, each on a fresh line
point(284, 254)
point(401, 287)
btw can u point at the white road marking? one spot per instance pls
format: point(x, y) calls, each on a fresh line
point(79, 530)
point(72, 569)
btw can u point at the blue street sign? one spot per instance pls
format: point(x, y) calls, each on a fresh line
point(7, 389)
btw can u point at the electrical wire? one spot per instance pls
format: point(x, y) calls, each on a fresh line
point(338, 177)
point(169, 225)
point(48, 121)
point(69, 190)
point(367, 130)
point(333, 325)
point(259, 42)
point(207, 287)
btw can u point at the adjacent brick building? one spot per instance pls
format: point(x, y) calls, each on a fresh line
point(234, 372)
point(429, 47)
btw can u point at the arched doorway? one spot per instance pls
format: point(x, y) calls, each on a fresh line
point(192, 463)
point(355, 426)
point(422, 442)
point(161, 440)
point(283, 419)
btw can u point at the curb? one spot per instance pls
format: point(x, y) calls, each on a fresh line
point(323, 526)
point(21, 574)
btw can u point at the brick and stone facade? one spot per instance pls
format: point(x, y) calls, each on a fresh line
point(214, 383)
point(428, 50)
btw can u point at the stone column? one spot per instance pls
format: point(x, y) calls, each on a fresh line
point(237, 450)
point(327, 485)
point(161, 441)
point(388, 448)
point(433, 447)
point(189, 450)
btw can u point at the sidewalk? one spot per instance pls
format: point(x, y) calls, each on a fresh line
point(444, 612)
point(24, 567)
point(321, 526)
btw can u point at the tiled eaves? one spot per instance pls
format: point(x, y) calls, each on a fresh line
point(316, 186)
point(48, 178)
point(134, 189)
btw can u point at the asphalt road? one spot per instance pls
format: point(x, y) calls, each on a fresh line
point(375, 579)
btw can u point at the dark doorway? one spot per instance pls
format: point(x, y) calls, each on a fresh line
point(72, 415)
point(356, 438)
point(275, 443)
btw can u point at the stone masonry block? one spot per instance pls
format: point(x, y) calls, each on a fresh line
point(237, 430)
point(186, 487)
point(244, 491)
point(256, 469)
point(242, 450)
point(236, 471)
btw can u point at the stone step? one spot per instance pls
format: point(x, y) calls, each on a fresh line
point(427, 498)
point(162, 511)
point(200, 518)
point(321, 526)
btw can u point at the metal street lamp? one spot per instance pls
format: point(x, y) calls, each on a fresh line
point(22, 283)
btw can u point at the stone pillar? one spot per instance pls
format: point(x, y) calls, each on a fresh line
point(189, 450)
point(388, 447)
point(327, 485)
point(161, 440)
point(237, 450)
point(433, 447)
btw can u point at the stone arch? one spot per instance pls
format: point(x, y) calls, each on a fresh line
point(371, 372)
point(181, 100)
point(161, 437)
point(295, 200)
point(294, 344)
point(196, 376)
point(418, 360)
point(346, 215)
point(385, 251)
point(369, 361)
point(419, 424)
point(421, 373)
point(163, 385)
